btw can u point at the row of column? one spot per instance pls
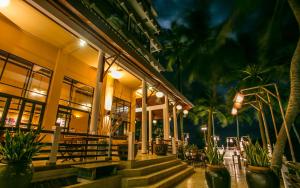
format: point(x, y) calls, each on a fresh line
point(166, 122)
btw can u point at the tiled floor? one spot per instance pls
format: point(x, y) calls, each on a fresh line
point(197, 180)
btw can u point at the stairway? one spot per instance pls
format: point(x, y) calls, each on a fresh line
point(156, 173)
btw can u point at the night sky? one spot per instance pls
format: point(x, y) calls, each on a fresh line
point(218, 11)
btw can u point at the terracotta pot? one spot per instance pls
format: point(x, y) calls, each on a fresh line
point(160, 149)
point(16, 175)
point(261, 177)
point(217, 176)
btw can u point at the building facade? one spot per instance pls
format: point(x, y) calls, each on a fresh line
point(86, 66)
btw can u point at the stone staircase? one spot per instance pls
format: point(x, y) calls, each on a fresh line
point(155, 173)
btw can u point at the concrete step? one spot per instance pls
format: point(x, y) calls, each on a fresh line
point(143, 163)
point(172, 180)
point(148, 169)
point(153, 177)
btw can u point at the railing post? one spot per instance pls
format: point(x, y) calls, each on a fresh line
point(174, 149)
point(55, 146)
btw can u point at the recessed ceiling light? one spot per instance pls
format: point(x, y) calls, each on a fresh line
point(4, 3)
point(82, 43)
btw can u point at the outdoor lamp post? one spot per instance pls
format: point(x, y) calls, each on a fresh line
point(204, 128)
point(234, 112)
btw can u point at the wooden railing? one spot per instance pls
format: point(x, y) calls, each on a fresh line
point(74, 146)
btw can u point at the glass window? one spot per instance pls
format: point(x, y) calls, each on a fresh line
point(76, 95)
point(23, 91)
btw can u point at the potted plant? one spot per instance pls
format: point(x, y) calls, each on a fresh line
point(258, 171)
point(216, 174)
point(17, 151)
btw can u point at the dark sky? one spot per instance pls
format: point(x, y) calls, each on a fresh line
point(175, 10)
point(170, 10)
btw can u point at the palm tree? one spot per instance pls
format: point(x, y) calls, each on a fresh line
point(293, 108)
point(211, 111)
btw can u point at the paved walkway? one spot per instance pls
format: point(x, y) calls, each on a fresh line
point(197, 180)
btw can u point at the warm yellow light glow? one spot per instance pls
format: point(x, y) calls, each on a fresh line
point(4, 3)
point(109, 93)
point(203, 128)
point(159, 94)
point(185, 112)
point(77, 115)
point(37, 93)
point(154, 121)
point(139, 92)
point(178, 107)
point(85, 106)
point(238, 98)
point(82, 43)
point(237, 105)
point(234, 111)
point(116, 74)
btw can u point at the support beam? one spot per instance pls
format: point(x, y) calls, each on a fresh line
point(152, 108)
point(55, 88)
point(181, 126)
point(144, 117)
point(166, 119)
point(175, 126)
point(97, 95)
point(150, 126)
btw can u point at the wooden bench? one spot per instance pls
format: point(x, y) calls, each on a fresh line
point(95, 170)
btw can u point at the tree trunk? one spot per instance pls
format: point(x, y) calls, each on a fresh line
point(262, 130)
point(293, 107)
point(209, 125)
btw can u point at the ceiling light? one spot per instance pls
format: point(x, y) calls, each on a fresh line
point(4, 3)
point(154, 121)
point(178, 107)
point(159, 94)
point(116, 74)
point(185, 112)
point(82, 43)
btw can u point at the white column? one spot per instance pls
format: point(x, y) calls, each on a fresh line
point(166, 119)
point(97, 94)
point(131, 146)
point(175, 123)
point(144, 117)
point(150, 125)
point(55, 146)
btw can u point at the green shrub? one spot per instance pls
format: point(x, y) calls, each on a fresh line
point(213, 155)
point(21, 146)
point(256, 155)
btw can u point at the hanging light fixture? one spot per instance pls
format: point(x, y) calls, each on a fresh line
point(116, 74)
point(179, 107)
point(4, 3)
point(234, 111)
point(154, 121)
point(159, 94)
point(185, 112)
point(239, 97)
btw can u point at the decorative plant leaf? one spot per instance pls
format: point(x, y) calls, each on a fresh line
point(256, 155)
point(21, 146)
